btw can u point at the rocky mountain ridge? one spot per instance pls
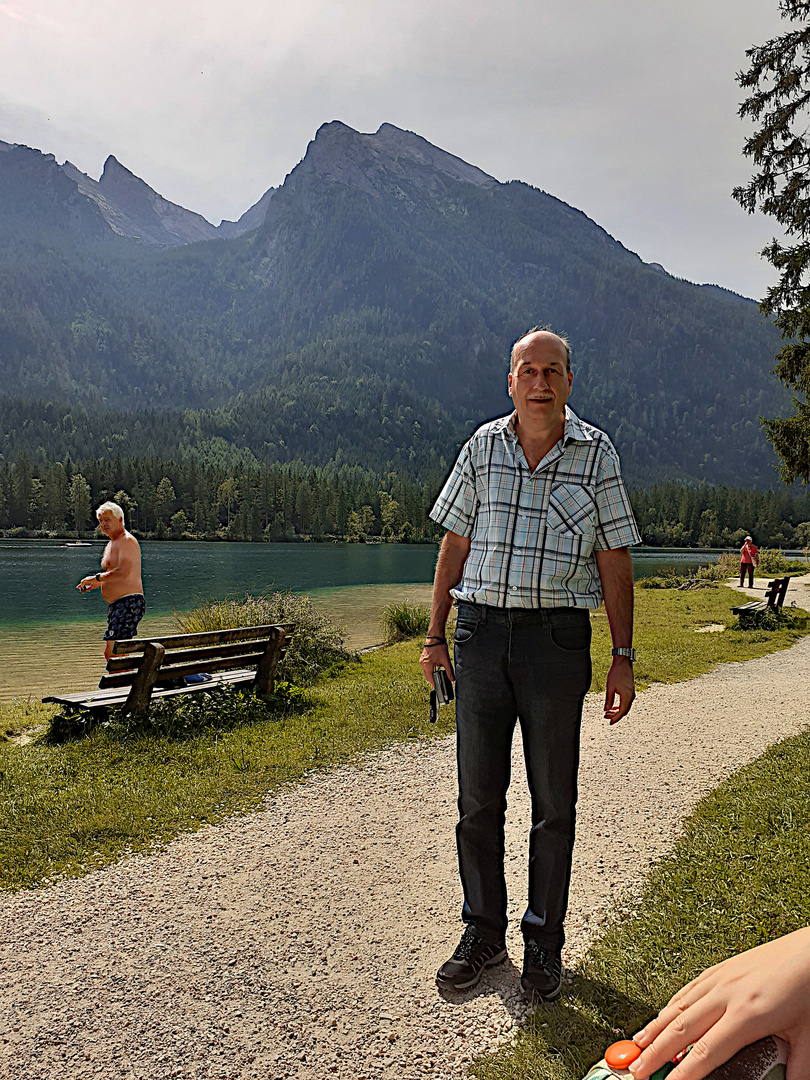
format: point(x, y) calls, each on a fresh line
point(133, 209)
point(389, 160)
point(130, 207)
point(367, 162)
point(362, 311)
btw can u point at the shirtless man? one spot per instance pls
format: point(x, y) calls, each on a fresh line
point(120, 578)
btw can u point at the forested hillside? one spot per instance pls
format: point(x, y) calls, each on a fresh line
point(365, 322)
point(209, 499)
point(205, 497)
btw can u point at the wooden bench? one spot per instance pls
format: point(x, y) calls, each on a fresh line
point(141, 669)
point(774, 598)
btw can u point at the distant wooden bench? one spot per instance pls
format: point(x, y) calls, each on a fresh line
point(141, 669)
point(774, 598)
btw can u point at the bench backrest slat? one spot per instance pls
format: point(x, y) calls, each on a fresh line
point(199, 667)
point(167, 675)
point(208, 637)
point(783, 591)
point(182, 656)
point(776, 591)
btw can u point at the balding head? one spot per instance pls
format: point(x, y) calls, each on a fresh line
point(540, 333)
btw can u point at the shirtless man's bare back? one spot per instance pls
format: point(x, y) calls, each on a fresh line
point(120, 578)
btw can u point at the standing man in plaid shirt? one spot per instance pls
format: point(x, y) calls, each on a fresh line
point(538, 530)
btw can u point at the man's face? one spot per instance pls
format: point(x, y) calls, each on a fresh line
point(540, 383)
point(108, 523)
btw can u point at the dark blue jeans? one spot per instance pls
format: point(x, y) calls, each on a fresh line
point(535, 666)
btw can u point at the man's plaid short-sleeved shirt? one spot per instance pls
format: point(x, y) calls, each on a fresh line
point(533, 535)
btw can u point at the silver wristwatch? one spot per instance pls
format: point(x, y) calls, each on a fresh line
point(629, 653)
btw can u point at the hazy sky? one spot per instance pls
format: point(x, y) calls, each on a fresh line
point(626, 109)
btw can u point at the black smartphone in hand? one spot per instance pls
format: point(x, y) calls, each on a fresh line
point(442, 693)
point(444, 688)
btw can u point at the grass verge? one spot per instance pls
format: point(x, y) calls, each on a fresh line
point(737, 878)
point(670, 650)
point(68, 808)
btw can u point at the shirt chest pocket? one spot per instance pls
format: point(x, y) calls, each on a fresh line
point(572, 509)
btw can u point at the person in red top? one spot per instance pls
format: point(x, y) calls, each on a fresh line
point(749, 558)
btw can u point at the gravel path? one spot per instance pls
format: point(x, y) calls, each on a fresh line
point(302, 940)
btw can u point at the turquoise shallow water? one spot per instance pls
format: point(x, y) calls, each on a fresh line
point(39, 577)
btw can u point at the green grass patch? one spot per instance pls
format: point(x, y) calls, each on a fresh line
point(70, 807)
point(669, 649)
point(737, 878)
point(23, 717)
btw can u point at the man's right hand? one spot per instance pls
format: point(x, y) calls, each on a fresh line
point(449, 567)
point(434, 656)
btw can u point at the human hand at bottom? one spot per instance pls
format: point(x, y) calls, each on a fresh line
point(765, 991)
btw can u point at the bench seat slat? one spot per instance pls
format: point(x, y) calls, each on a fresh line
point(94, 697)
point(99, 699)
point(755, 605)
point(209, 637)
point(181, 656)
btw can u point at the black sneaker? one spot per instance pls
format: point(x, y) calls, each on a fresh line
point(466, 965)
point(542, 971)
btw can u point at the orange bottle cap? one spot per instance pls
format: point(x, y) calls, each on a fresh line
point(620, 1054)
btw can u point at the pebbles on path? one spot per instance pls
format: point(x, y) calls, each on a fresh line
point(302, 940)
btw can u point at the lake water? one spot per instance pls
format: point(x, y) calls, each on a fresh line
point(50, 635)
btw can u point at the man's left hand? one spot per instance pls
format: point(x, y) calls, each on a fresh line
point(621, 684)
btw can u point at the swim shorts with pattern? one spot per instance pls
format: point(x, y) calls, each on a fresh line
point(123, 616)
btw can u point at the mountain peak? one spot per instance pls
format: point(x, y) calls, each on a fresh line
point(420, 150)
point(113, 169)
point(389, 160)
point(141, 212)
point(331, 128)
point(36, 192)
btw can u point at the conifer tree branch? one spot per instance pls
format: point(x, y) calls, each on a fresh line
point(778, 79)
